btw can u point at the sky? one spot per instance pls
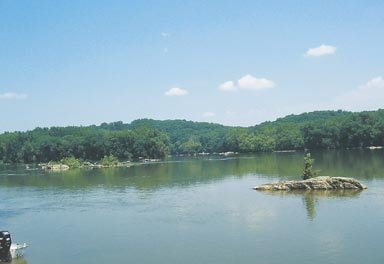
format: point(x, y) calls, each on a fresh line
point(229, 62)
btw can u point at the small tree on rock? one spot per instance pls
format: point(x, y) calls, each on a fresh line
point(308, 171)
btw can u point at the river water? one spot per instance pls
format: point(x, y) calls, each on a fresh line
point(196, 210)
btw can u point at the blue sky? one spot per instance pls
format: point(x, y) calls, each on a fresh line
point(229, 62)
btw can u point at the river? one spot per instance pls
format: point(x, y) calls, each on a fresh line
point(196, 210)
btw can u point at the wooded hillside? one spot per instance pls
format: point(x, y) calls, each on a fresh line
point(149, 138)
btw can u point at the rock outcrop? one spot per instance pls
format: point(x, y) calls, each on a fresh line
point(317, 183)
point(55, 167)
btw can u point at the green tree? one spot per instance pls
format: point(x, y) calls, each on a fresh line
point(109, 161)
point(193, 145)
point(72, 162)
point(149, 138)
point(308, 167)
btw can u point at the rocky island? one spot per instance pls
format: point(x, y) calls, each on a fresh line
point(316, 183)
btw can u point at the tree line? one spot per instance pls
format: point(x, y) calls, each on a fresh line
point(147, 138)
point(85, 143)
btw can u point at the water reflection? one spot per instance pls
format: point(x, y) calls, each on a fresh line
point(309, 202)
point(183, 172)
point(311, 198)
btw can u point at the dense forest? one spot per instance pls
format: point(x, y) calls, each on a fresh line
point(147, 138)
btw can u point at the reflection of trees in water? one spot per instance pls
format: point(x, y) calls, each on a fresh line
point(189, 171)
point(180, 172)
point(186, 171)
point(310, 204)
point(311, 198)
point(356, 163)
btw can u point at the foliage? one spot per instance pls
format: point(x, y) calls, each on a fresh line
point(72, 162)
point(147, 138)
point(85, 143)
point(308, 167)
point(108, 161)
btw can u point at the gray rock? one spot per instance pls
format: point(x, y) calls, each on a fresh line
point(317, 183)
point(55, 167)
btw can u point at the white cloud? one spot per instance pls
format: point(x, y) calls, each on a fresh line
point(13, 96)
point(368, 96)
point(176, 92)
point(322, 50)
point(248, 82)
point(227, 86)
point(165, 34)
point(209, 114)
point(374, 84)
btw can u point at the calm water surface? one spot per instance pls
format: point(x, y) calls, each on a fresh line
point(196, 210)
